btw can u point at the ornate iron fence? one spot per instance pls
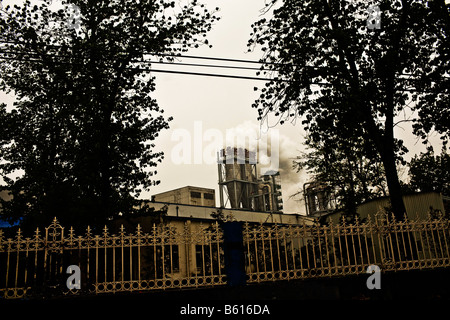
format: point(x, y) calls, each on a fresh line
point(166, 257)
point(305, 251)
point(178, 256)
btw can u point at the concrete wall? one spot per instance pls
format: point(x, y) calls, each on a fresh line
point(185, 196)
point(417, 205)
point(204, 213)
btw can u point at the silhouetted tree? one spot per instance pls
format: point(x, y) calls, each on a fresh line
point(342, 78)
point(81, 134)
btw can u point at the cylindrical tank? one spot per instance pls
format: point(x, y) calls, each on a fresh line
point(240, 176)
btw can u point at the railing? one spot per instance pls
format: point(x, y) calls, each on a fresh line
point(192, 255)
point(296, 252)
point(163, 258)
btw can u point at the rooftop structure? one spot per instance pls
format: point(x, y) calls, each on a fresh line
point(239, 184)
point(188, 195)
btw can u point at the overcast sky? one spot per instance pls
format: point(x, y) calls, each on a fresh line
point(201, 105)
point(226, 103)
point(221, 103)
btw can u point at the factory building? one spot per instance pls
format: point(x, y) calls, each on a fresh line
point(188, 195)
point(240, 187)
point(243, 195)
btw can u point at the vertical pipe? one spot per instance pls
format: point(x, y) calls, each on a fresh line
point(220, 173)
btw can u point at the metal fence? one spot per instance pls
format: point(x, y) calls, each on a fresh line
point(163, 258)
point(193, 256)
point(296, 252)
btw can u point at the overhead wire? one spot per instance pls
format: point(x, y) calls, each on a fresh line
point(198, 65)
point(171, 55)
point(220, 75)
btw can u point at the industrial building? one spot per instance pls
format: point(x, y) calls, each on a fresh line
point(188, 195)
point(240, 186)
point(243, 195)
point(320, 202)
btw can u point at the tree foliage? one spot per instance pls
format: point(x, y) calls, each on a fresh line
point(354, 174)
point(344, 79)
point(430, 172)
point(79, 141)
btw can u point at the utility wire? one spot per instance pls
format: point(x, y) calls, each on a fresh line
point(197, 64)
point(179, 64)
point(171, 55)
point(150, 70)
point(172, 71)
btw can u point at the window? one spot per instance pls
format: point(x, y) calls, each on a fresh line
point(195, 194)
point(208, 196)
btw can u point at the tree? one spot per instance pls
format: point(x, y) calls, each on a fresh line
point(326, 63)
point(83, 128)
point(430, 173)
point(353, 173)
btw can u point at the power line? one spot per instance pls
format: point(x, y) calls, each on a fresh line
point(190, 57)
point(212, 75)
point(216, 75)
point(221, 66)
point(197, 64)
point(202, 65)
point(180, 64)
point(213, 58)
point(172, 71)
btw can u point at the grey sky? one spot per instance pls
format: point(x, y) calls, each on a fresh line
point(226, 103)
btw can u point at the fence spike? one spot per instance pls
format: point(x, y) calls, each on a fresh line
point(330, 221)
point(105, 231)
point(88, 231)
point(343, 222)
point(139, 229)
point(405, 217)
point(393, 217)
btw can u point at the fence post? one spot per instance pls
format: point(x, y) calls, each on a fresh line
point(234, 253)
point(53, 251)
